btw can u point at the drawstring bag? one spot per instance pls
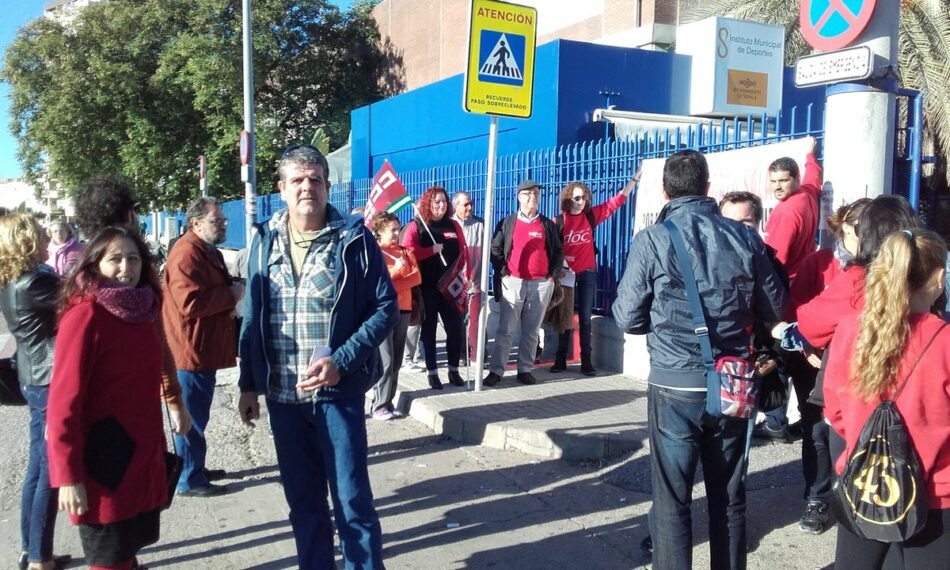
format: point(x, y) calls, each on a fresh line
point(881, 494)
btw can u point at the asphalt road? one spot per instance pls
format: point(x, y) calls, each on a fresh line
point(443, 505)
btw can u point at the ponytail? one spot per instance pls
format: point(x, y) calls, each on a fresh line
point(904, 264)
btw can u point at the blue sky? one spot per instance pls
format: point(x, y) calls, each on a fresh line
point(16, 14)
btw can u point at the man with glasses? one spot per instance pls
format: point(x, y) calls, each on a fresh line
point(198, 317)
point(526, 256)
point(319, 303)
point(474, 229)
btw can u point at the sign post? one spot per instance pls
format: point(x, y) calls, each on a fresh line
point(859, 38)
point(202, 181)
point(499, 81)
point(248, 160)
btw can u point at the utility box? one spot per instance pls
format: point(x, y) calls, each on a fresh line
point(737, 66)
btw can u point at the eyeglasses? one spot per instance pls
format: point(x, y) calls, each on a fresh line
point(294, 147)
point(530, 192)
point(465, 205)
point(579, 198)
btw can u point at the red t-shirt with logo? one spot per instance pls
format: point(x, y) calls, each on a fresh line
point(529, 258)
point(576, 234)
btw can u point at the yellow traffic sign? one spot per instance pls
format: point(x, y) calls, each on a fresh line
point(499, 78)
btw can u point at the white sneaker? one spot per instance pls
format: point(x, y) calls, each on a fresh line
point(383, 415)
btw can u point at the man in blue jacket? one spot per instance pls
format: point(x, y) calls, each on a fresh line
point(318, 303)
point(738, 288)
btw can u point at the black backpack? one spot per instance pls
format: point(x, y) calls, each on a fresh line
point(881, 495)
point(589, 214)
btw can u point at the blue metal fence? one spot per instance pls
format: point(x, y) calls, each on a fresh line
point(605, 166)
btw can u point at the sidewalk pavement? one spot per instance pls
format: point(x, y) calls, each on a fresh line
point(566, 415)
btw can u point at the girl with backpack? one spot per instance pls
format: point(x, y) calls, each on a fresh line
point(897, 348)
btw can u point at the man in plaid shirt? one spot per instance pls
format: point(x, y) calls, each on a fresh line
point(319, 303)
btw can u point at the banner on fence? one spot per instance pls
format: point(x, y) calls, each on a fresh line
point(741, 169)
point(386, 195)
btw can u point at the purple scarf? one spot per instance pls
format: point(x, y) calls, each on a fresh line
point(131, 304)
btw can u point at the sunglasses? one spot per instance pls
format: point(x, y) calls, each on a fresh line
point(295, 147)
point(579, 198)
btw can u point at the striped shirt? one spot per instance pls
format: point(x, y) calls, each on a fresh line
point(300, 308)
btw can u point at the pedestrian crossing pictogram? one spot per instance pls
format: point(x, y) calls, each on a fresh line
point(502, 57)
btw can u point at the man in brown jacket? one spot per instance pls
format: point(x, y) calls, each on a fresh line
point(198, 314)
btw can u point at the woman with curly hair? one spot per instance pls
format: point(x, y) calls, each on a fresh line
point(870, 359)
point(28, 298)
point(576, 223)
point(105, 434)
point(437, 242)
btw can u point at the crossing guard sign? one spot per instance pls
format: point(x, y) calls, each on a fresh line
point(499, 77)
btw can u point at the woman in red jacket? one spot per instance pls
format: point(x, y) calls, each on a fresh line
point(404, 271)
point(576, 224)
point(104, 433)
point(871, 355)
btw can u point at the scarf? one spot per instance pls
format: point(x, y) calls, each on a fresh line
point(130, 304)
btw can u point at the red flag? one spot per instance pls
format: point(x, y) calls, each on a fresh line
point(454, 284)
point(387, 194)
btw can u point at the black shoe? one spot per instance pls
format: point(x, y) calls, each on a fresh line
point(434, 381)
point(60, 561)
point(816, 519)
point(763, 431)
point(215, 474)
point(208, 490)
point(455, 378)
point(526, 378)
point(587, 368)
point(491, 380)
point(560, 365)
point(646, 545)
point(537, 354)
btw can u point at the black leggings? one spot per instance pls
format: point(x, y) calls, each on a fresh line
point(928, 550)
point(437, 305)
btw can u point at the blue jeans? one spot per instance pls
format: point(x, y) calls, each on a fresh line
point(38, 501)
point(320, 445)
point(681, 435)
point(197, 391)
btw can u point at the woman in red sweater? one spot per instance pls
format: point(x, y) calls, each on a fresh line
point(576, 224)
point(104, 432)
point(404, 271)
point(871, 355)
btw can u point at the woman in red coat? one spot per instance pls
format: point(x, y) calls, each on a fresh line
point(871, 356)
point(105, 434)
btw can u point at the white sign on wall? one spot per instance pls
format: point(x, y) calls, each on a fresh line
point(737, 66)
point(742, 169)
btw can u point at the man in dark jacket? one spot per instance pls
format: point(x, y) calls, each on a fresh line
point(198, 317)
point(738, 287)
point(526, 256)
point(319, 303)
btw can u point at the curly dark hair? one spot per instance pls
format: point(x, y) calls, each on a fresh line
point(103, 201)
point(425, 204)
point(567, 194)
point(381, 220)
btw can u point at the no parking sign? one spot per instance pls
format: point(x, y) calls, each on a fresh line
point(833, 24)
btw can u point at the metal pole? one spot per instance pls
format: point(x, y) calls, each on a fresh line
point(250, 170)
point(486, 252)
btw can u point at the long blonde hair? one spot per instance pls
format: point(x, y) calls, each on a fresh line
point(904, 264)
point(20, 246)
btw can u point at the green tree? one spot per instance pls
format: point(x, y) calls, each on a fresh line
point(140, 88)
point(923, 49)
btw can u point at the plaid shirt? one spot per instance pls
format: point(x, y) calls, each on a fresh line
point(300, 309)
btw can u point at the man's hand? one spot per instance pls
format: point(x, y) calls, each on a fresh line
point(321, 373)
point(249, 407)
point(237, 289)
point(813, 358)
point(181, 420)
point(72, 499)
point(765, 367)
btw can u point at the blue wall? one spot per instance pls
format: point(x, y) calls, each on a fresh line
point(427, 127)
